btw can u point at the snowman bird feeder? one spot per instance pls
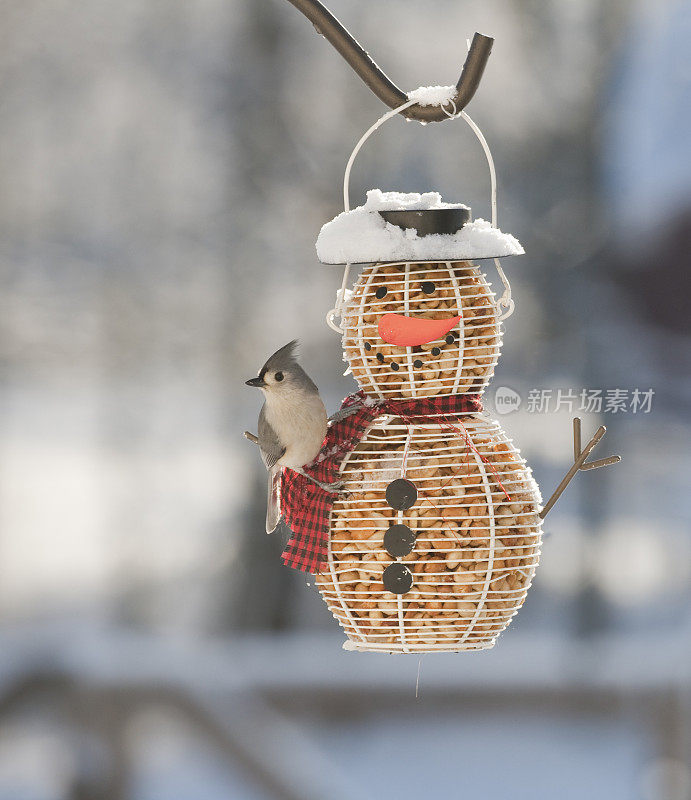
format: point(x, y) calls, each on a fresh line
point(433, 540)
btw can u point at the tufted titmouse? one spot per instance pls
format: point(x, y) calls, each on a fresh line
point(292, 423)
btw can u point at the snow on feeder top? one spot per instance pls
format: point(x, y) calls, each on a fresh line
point(392, 226)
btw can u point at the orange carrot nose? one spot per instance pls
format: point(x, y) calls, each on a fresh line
point(406, 331)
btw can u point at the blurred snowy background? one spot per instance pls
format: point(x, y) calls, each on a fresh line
point(166, 168)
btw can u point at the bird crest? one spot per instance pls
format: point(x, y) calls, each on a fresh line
point(282, 359)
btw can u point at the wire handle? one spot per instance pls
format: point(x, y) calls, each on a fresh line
point(337, 311)
point(505, 301)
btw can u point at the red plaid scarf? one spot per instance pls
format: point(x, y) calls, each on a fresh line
point(306, 507)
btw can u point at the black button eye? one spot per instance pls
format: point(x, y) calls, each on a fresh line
point(394, 366)
point(380, 358)
point(381, 292)
point(417, 363)
point(436, 351)
point(368, 346)
point(428, 287)
point(279, 376)
point(450, 338)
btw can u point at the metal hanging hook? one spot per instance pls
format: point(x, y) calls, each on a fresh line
point(386, 90)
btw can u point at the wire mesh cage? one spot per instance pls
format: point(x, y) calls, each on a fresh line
point(448, 572)
point(458, 362)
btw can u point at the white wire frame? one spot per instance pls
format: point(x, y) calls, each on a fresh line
point(478, 537)
point(463, 366)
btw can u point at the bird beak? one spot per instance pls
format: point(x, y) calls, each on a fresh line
point(257, 382)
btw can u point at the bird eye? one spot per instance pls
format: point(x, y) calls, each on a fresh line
point(428, 287)
point(381, 292)
point(279, 376)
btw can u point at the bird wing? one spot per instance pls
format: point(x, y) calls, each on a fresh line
point(269, 443)
point(273, 500)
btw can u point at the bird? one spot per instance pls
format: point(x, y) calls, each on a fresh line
point(292, 423)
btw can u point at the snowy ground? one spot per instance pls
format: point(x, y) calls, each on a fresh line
point(535, 717)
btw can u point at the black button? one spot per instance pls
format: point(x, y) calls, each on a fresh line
point(399, 540)
point(401, 494)
point(450, 338)
point(394, 366)
point(417, 363)
point(381, 292)
point(368, 346)
point(428, 287)
point(397, 578)
point(380, 358)
point(436, 351)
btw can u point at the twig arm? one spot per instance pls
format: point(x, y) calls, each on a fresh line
point(251, 437)
point(579, 457)
point(377, 80)
point(601, 462)
point(566, 480)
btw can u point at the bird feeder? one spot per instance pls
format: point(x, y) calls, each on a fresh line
point(434, 544)
point(434, 539)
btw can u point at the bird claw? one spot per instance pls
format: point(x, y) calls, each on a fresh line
point(336, 488)
point(333, 488)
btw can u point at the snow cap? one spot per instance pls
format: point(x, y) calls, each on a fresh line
point(362, 235)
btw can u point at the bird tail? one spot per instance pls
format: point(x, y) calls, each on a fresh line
point(273, 500)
